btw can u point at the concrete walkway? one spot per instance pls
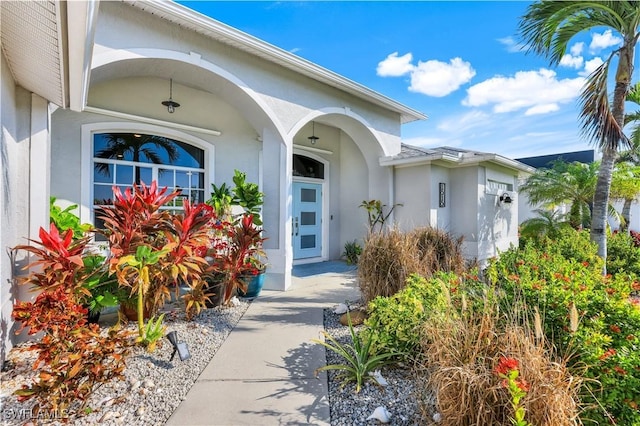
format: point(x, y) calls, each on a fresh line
point(263, 374)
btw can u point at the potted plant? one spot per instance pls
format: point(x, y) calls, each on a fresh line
point(248, 196)
point(234, 255)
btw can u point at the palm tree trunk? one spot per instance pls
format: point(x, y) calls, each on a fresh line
point(626, 215)
point(600, 203)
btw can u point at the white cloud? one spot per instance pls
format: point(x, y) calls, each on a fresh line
point(604, 40)
point(576, 49)
point(542, 109)
point(591, 65)
point(435, 78)
point(572, 61)
point(295, 50)
point(511, 45)
point(535, 91)
point(395, 66)
point(462, 123)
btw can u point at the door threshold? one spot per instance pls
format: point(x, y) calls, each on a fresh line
point(308, 260)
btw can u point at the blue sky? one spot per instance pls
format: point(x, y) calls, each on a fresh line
point(457, 62)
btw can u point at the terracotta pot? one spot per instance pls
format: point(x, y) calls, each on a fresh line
point(131, 312)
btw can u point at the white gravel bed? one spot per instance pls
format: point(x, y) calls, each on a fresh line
point(348, 408)
point(154, 386)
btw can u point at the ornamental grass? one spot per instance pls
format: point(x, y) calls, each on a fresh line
point(462, 351)
point(390, 256)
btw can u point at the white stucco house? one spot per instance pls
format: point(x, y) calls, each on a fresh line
point(74, 73)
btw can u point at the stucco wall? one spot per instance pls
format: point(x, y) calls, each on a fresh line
point(14, 206)
point(413, 188)
point(440, 216)
point(498, 221)
point(465, 195)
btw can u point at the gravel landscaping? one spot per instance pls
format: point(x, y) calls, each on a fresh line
point(155, 386)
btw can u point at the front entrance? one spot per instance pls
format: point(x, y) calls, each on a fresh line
point(307, 220)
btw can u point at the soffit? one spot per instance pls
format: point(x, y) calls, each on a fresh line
point(31, 43)
point(201, 24)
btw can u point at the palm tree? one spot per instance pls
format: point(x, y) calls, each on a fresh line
point(547, 28)
point(548, 223)
point(118, 144)
point(565, 183)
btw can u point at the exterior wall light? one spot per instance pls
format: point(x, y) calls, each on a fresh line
point(506, 198)
point(170, 104)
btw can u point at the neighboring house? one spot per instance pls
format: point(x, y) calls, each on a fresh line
point(525, 209)
point(78, 78)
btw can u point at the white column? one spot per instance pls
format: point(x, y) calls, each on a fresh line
point(40, 166)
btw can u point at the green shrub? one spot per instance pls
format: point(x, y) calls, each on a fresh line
point(623, 256)
point(394, 322)
point(585, 315)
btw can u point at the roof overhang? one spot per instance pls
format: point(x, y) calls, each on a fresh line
point(453, 161)
point(48, 45)
point(199, 23)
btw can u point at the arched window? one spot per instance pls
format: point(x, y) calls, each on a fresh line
point(123, 159)
point(307, 167)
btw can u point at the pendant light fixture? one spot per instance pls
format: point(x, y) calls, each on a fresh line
point(313, 138)
point(170, 104)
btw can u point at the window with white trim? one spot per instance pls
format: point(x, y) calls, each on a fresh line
point(122, 159)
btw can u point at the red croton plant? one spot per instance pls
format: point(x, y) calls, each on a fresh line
point(73, 355)
point(135, 219)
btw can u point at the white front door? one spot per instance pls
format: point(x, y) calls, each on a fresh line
point(307, 220)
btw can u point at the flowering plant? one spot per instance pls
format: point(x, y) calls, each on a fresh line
point(508, 370)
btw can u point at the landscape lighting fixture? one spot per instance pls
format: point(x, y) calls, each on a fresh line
point(171, 104)
point(179, 347)
point(313, 138)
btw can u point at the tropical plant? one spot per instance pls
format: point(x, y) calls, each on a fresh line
point(352, 251)
point(153, 331)
point(66, 219)
point(571, 183)
point(547, 28)
point(136, 220)
point(135, 270)
point(359, 361)
point(237, 255)
point(137, 145)
point(394, 323)
point(220, 200)
point(547, 224)
point(376, 215)
point(75, 357)
point(248, 196)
